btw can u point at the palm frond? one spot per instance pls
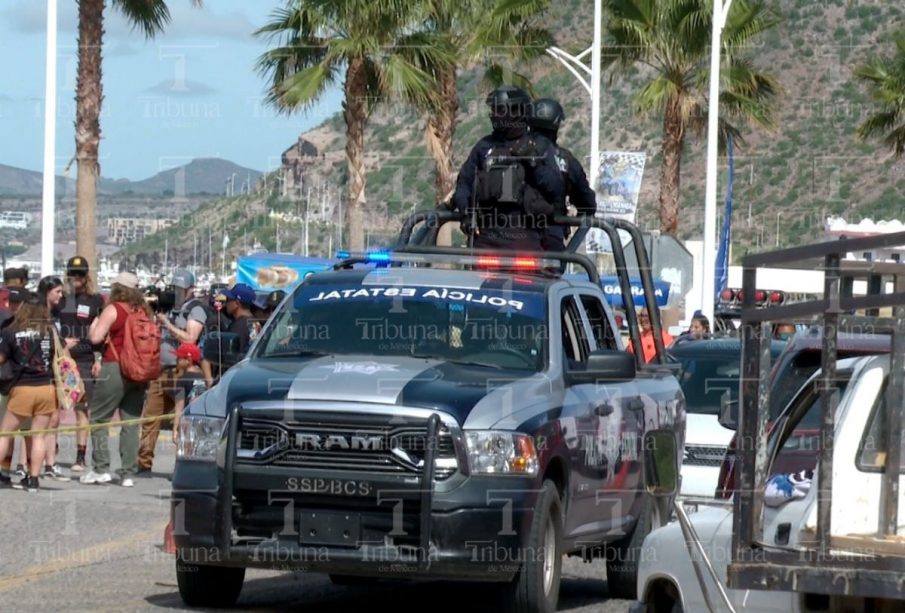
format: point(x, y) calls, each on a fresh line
point(303, 88)
point(497, 74)
point(878, 123)
point(895, 140)
point(149, 16)
point(654, 94)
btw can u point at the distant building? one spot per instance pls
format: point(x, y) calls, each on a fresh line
point(123, 230)
point(838, 228)
point(295, 163)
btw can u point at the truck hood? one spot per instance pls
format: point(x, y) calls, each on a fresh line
point(392, 380)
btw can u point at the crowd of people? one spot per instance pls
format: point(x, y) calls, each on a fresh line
point(96, 331)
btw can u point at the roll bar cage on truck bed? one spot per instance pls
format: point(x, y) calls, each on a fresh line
point(419, 236)
point(828, 565)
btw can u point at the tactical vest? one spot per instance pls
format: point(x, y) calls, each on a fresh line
point(503, 179)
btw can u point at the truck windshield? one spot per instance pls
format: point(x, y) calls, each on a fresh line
point(704, 380)
point(487, 327)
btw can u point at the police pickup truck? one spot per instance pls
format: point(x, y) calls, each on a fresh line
point(426, 413)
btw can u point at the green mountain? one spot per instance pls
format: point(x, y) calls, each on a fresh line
point(786, 183)
point(200, 176)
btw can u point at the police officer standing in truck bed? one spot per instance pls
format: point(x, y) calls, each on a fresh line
point(510, 183)
point(546, 117)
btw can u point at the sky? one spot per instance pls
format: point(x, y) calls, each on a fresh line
point(192, 91)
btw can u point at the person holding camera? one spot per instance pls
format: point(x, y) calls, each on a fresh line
point(510, 184)
point(240, 299)
point(185, 323)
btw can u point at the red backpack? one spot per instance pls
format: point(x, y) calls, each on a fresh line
point(140, 357)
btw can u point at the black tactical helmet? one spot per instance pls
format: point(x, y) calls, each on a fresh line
point(509, 99)
point(547, 114)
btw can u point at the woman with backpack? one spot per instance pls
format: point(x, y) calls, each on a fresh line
point(112, 389)
point(28, 344)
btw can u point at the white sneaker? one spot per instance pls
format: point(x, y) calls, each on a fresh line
point(127, 482)
point(93, 477)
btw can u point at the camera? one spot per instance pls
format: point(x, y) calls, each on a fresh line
point(160, 300)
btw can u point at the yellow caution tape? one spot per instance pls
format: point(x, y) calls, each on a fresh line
point(109, 424)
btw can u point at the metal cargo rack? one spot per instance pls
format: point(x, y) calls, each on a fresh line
point(829, 566)
point(419, 232)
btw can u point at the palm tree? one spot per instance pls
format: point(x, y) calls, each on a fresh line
point(885, 80)
point(149, 16)
point(669, 40)
point(377, 51)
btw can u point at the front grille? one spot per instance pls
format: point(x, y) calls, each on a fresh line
point(704, 455)
point(381, 444)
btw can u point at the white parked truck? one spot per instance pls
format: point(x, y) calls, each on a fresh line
point(814, 523)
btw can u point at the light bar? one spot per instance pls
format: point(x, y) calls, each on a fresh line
point(734, 297)
point(517, 262)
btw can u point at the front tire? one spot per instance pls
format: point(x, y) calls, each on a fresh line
point(622, 557)
point(535, 589)
point(208, 586)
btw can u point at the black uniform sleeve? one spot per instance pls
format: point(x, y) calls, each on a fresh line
point(547, 176)
point(581, 195)
point(461, 199)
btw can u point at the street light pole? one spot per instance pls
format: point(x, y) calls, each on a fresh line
point(595, 91)
point(778, 215)
point(708, 255)
point(48, 213)
point(590, 80)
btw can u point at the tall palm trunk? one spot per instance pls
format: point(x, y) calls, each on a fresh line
point(673, 138)
point(89, 95)
point(355, 108)
point(441, 127)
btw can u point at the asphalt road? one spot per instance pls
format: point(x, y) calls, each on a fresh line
point(77, 547)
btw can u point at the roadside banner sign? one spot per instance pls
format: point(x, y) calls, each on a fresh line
point(267, 272)
point(619, 176)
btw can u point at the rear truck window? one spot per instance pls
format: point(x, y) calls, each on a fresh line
point(493, 327)
point(704, 380)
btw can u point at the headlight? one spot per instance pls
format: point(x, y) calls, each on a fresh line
point(199, 437)
point(496, 452)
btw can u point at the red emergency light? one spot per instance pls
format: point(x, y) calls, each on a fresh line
point(735, 297)
point(519, 263)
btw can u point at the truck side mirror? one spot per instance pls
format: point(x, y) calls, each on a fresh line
point(661, 463)
point(222, 348)
point(605, 365)
point(728, 412)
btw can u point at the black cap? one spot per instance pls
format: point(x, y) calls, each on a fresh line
point(17, 294)
point(77, 264)
point(15, 273)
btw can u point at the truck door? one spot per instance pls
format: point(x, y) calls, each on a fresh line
point(594, 412)
point(625, 426)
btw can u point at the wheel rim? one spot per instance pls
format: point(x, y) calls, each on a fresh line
point(549, 555)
